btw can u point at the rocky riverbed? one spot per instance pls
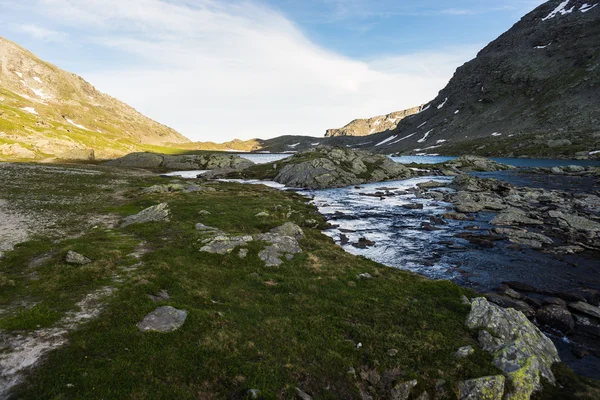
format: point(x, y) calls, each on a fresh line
point(531, 248)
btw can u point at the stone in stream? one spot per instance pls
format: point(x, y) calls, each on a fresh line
point(514, 216)
point(519, 348)
point(163, 319)
point(556, 317)
point(157, 213)
point(76, 258)
point(585, 308)
point(522, 236)
point(575, 222)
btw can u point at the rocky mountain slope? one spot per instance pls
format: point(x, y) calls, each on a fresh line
point(47, 112)
point(533, 91)
point(369, 126)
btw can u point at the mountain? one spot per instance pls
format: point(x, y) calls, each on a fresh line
point(534, 91)
point(381, 123)
point(46, 112)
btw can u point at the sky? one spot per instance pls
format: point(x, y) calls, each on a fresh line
point(216, 70)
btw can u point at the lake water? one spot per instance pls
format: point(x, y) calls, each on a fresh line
point(262, 158)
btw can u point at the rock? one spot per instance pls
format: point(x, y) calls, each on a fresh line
point(392, 352)
point(173, 187)
point(289, 229)
point(163, 319)
point(182, 162)
point(402, 391)
point(76, 258)
point(514, 216)
point(431, 185)
point(472, 183)
point(16, 150)
point(523, 352)
point(364, 275)
point(262, 214)
point(413, 206)
point(524, 237)
point(575, 222)
point(161, 296)
point(203, 212)
point(465, 300)
point(253, 393)
point(485, 388)
point(522, 287)
point(474, 163)
point(225, 244)
point(280, 246)
point(455, 216)
point(555, 301)
point(205, 228)
point(363, 243)
point(155, 213)
point(554, 143)
point(585, 308)
point(556, 317)
point(507, 302)
point(302, 395)
point(243, 253)
point(464, 352)
point(513, 294)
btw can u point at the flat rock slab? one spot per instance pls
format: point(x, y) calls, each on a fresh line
point(76, 258)
point(163, 319)
point(159, 212)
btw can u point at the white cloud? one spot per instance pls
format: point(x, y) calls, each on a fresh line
point(39, 32)
point(219, 71)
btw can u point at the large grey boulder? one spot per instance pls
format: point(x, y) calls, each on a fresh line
point(163, 319)
point(327, 167)
point(520, 349)
point(157, 213)
point(182, 162)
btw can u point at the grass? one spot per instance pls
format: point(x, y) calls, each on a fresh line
point(249, 326)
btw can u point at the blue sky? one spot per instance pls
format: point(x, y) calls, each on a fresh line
point(218, 70)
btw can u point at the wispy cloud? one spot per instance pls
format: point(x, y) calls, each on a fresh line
point(41, 33)
point(217, 70)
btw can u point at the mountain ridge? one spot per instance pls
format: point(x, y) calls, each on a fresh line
point(369, 126)
point(48, 112)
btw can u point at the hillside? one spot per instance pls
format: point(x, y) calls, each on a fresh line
point(369, 126)
point(534, 91)
point(46, 112)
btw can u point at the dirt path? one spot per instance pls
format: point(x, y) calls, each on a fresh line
point(13, 227)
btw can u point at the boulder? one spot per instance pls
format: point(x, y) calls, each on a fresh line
point(557, 317)
point(585, 308)
point(401, 391)
point(280, 246)
point(464, 352)
point(289, 229)
point(76, 258)
point(327, 167)
point(575, 222)
point(522, 236)
point(485, 388)
point(223, 244)
point(514, 216)
point(507, 302)
point(157, 213)
point(182, 162)
point(163, 319)
point(519, 348)
point(475, 163)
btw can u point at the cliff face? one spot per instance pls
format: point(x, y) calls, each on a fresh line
point(533, 91)
point(381, 123)
point(46, 112)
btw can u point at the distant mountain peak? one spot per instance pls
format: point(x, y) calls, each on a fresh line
point(370, 126)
